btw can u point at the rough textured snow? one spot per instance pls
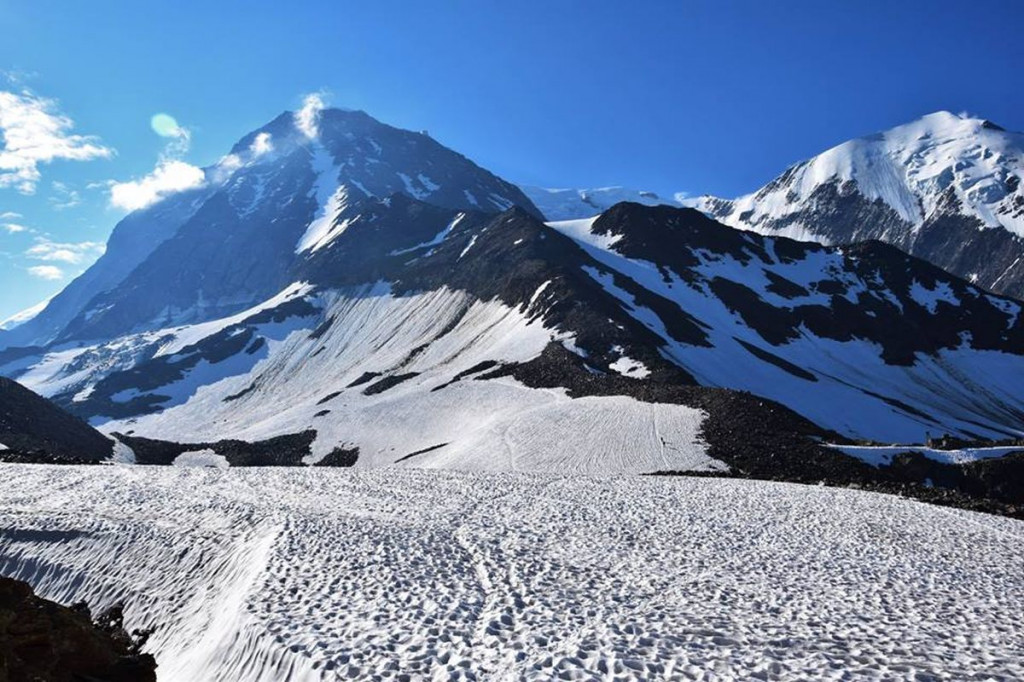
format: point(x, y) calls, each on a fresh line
point(305, 574)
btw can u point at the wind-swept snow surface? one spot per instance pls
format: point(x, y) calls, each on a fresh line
point(303, 574)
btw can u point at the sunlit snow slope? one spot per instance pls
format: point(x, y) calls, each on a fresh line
point(496, 424)
point(298, 574)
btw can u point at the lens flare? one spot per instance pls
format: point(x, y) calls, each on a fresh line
point(164, 125)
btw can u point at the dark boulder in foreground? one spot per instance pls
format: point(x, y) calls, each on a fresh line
point(43, 641)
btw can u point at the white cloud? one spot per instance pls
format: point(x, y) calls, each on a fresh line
point(49, 272)
point(35, 132)
point(261, 145)
point(71, 253)
point(9, 215)
point(169, 177)
point(307, 116)
point(14, 228)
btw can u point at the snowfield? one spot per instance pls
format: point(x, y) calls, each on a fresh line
point(306, 574)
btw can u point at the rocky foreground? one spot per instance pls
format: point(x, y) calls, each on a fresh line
point(43, 641)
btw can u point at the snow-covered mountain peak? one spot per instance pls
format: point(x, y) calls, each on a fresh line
point(275, 197)
point(940, 162)
point(945, 187)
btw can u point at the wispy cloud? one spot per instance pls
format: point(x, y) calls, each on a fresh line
point(307, 118)
point(14, 228)
point(72, 253)
point(35, 132)
point(9, 215)
point(47, 272)
point(64, 196)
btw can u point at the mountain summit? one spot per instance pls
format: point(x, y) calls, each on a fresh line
point(946, 188)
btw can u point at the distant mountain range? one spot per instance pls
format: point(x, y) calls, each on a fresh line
point(379, 299)
point(569, 204)
point(945, 188)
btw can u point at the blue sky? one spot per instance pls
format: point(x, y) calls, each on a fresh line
point(713, 97)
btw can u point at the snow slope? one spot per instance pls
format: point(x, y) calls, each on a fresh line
point(24, 316)
point(843, 384)
point(877, 455)
point(908, 168)
point(864, 341)
point(496, 424)
point(301, 574)
point(297, 379)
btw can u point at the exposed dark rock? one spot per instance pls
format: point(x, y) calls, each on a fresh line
point(388, 382)
point(420, 452)
point(364, 378)
point(33, 427)
point(328, 398)
point(339, 457)
point(41, 641)
point(286, 450)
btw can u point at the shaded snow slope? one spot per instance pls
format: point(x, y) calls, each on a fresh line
point(946, 187)
point(290, 575)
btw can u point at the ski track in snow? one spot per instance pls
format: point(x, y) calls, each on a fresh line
point(304, 574)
